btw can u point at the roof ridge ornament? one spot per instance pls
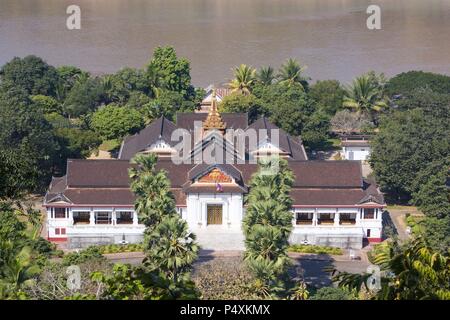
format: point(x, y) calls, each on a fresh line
point(214, 120)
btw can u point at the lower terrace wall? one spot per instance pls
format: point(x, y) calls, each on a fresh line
point(343, 241)
point(80, 241)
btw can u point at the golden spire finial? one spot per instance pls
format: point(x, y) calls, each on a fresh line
point(214, 120)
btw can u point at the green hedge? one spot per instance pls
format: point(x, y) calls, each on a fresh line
point(116, 248)
point(315, 249)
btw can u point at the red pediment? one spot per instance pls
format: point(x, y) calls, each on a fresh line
point(215, 176)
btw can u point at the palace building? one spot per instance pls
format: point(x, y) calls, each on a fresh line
point(332, 203)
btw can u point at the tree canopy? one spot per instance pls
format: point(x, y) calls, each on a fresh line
point(113, 121)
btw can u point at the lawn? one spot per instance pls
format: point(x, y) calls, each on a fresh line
point(110, 145)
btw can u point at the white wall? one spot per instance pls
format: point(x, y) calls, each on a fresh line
point(359, 153)
point(232, 209)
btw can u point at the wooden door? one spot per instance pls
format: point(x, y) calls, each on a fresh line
point(214, 214)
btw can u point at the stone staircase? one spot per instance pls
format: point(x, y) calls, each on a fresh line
point(220, 239)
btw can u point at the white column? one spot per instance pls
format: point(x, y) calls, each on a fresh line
point(336, 218)
point(114, 217)
point(314, 220)
point(70, 217)
point(135, 218)
point(358, 216)
point(92, 217)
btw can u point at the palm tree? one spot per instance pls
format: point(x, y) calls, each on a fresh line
point(154, 200)
point(244, 78)
point(173, 248)
point(365, 96)
point(290, 73)
point(265, 75)
point(17, 271)
point(267, 224)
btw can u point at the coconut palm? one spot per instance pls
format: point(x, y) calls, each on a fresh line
point(244, 78)
point(265, 75)
point(290, 73)
point(365, 96)
point(173, 248)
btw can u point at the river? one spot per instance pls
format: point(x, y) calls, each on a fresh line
point(329, 36)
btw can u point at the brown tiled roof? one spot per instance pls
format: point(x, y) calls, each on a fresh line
point(288, 144)
point(317, 182)
point(326, 196)
point(325, 174)
point(110, 173)
point(161, 128)
point(101, 196)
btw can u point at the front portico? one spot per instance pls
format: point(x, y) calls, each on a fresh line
point(220, 210)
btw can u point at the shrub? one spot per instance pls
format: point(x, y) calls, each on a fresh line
point(224, 279)
point(315, 249)
point(90, 254)
point(330, 293)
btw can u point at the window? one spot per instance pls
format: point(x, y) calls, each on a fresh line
point(368, 233)
point(57, 231)
point(304, 217)
point(325, 218)
point(102, 217)
point(369, 213)
point(60, 213)
point(81, 217)
point(63, 230)
point(124, 217)
point(347, 218)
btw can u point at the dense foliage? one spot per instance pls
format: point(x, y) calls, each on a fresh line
point(267, 225)
point(410, 272)
point(404, 83)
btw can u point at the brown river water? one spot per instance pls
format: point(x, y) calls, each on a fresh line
point(329, 36)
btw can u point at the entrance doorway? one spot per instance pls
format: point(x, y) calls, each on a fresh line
point(214, 214)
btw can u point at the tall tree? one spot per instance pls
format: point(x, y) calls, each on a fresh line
point(404, 83)
point(265, 75)
point(167, 71)
point(365, 96)
point(291, 73)
point(31, 74)
point(170, 247)
point(327, 95)
point(243, 103)
point(28, 149)
point(114, 122)
point(154, 200)
point(244, 78)
point(268, 223)
point(407, 142)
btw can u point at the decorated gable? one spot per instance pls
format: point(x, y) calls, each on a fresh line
point(215, 176)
